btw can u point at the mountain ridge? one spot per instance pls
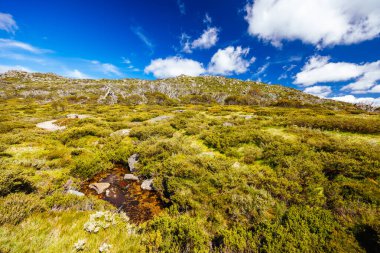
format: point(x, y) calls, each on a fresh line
point(48, 87)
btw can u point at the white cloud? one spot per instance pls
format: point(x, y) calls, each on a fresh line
point(174, 66)
point(207, 20)
point(5, 68)
point(140, 34)
point(7, 23)
point(320, 91)
point(375, 89)
point(352, 99)
point(319, 70)
point(77, 74)
point(126, 60)
point(262, 69)
point(181, 7)
point(229, 61)
point(107, 68)
point(369, 78)
point(18, 45)
point(208, 39)
point(318, 22)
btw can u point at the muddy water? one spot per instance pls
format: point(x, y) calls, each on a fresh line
point(127, 195)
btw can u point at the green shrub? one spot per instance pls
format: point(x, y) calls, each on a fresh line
point(61, 201)
point(79, 132)
point(18, 206)
point(146, 132)
point(89, 164)
point(157, 98)
point(12, 181)
point(117, 150)
point(348, 124)
point(180, 234)
point(305, 229)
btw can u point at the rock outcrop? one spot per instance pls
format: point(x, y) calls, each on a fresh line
point(147, 185)
point(99, 187)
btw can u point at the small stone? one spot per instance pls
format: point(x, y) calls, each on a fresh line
point(160, 118)
point(121, 132)
point(99, 187)
point(50, 126)
point(131, 177)
point(76, 116)
point(209, 154)
point(132, 161)
point(77, 193)
point(228, 124)
point(147, 185)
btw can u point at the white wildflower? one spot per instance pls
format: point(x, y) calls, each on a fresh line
point(105, 247)
point(79, 245)
point(99, 220)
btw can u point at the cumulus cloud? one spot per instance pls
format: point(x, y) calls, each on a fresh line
point(230, 61)
point(7, 23)
point(77, 74)
point(354, 100)
point(322, 22)
point(208, 39)
point(320, 91)
point(18, 45)
point(174, 66)
point(369, 78)
point(319, 69)
point(5, 68)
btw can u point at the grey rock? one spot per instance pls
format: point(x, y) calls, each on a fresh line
point(160, 118)
point(132, 161)
point(100, 187)
point(74, 192)
point(121, 132)
point(131, 177)
point(50, 126)
point(228, 124)
point(147, 185)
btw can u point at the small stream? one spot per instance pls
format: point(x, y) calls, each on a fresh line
point(127, 195)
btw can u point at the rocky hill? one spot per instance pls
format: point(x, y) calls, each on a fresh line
point(180, 90)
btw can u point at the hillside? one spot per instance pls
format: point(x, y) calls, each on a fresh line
point(205, 164)
point(180, 90)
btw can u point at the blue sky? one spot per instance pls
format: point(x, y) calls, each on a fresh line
point(329, 48)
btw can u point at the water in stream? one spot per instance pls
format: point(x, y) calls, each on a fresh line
point(127, 195)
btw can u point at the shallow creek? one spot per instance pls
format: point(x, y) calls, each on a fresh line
point(127, 195)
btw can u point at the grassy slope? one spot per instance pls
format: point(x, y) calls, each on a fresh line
point(267, 183)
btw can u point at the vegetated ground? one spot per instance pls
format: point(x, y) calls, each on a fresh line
point(232, 178)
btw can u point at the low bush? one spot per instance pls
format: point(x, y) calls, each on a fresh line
point(79, 132)
point(62, 201)
point(347, 124)
point(145, 132)
point(12, 181)
point(89, 164)
point(157, 98)
point(18, 206)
